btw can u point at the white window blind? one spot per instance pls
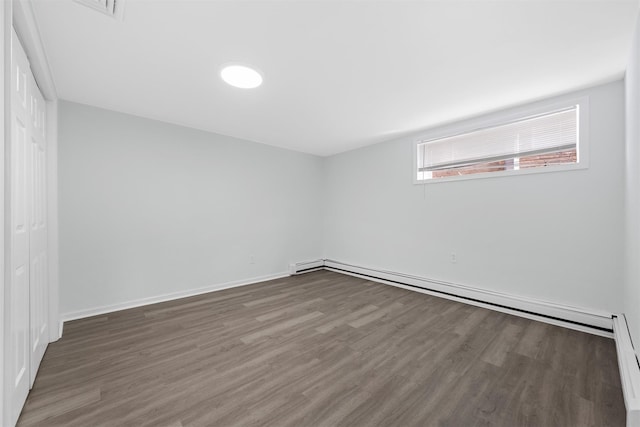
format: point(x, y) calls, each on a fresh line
point(541, 134)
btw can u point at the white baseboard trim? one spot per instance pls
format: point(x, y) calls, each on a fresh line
point(306, 266)
point(581, 319)
point(60, 329)
point(629, 370)
point(81, 314)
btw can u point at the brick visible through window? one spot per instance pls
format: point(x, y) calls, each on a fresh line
point(561, 157)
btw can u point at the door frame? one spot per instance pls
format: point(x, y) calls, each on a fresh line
point(5, 34)
point(19, 14)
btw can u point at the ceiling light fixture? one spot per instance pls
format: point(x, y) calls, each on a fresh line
point(241, 76)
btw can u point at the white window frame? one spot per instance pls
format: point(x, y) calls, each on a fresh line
point(504, 117)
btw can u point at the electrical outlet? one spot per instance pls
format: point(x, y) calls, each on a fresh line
point(454, 258)
point(252, 259)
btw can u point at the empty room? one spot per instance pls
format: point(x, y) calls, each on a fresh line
point(320, 213)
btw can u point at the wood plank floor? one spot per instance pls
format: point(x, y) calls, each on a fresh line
point(323, 349)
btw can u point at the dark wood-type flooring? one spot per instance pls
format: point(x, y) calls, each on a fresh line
point(323, 349)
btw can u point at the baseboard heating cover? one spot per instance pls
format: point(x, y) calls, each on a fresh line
point(306, 266)
point(582, 319)
point(629, 370)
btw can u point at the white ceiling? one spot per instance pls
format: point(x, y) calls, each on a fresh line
point(337, 74)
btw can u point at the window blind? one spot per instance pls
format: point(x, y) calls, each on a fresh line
point(542, 134)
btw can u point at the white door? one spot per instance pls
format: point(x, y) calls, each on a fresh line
point(27, 315)
point(18, 313)
point(38, 285)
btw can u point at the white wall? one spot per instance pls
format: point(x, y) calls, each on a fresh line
point(53, 229)
point(632, 276)
point(5, 14)
point(149, 208)
point(551, 236)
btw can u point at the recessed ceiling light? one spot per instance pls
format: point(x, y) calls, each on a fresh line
point(241, 76)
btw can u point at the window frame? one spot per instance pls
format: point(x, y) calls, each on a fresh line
point(504, 117)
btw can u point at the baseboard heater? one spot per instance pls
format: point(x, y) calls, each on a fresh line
point(306, 266)
point(578, 318)
point(629, 370)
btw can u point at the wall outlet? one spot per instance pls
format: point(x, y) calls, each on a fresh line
point(453, 258)
point(252, 259)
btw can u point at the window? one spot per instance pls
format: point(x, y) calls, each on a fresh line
point(539, 140)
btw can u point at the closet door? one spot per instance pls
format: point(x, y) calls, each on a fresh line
point(27, 314)
point(38, 284)
point(17, 357)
